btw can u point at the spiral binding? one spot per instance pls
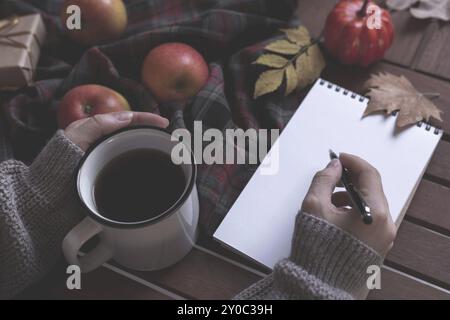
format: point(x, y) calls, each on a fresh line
point(353, 95)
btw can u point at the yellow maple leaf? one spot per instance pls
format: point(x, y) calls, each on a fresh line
point(298, 58)
point(268, 81)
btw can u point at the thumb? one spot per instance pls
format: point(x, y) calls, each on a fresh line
point(84, 132)
point(103, 124)
point(326, 180)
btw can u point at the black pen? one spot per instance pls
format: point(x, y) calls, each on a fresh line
point(358, 202)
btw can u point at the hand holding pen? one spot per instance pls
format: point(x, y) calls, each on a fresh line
point(339, 209)
point(357, 200)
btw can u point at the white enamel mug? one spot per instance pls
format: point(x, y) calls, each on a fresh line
point(151, 244)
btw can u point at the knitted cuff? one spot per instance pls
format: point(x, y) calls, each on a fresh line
point(331, 254)
point(51, 175)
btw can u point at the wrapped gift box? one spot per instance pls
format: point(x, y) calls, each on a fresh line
point(21, 39)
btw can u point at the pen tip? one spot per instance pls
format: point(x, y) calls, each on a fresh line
point(332, 154)
point(367, 218)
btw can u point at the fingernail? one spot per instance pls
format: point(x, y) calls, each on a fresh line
point(123, 116)
point(333, 163)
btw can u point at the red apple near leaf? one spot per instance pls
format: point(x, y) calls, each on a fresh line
point(87, 100)
point(358, 32)
point(102, 21)
point(174, 72)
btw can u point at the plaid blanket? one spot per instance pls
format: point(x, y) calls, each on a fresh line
point(230, 34)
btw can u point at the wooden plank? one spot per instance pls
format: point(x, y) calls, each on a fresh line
point(313, 14)
point(433, 58)
point(101, 284)
point(398, 286)
point(207, 277)
point(430, 207)
point(353, 78)
point(201, 276)
point(422, 253)
point(440, 162)
point(409, 34)
point(216, 247)
point(395, 284)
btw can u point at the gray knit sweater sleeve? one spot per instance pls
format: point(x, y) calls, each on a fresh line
point(325, 263)
point(37, 209)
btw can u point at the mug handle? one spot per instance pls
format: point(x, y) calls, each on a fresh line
point(77, 237)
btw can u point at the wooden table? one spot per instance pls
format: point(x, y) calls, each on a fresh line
point(418, 267)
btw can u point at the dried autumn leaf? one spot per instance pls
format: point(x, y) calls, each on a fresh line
point(291, 79)
point(271, 60)
point(309, 66)
point(390, 93)
point(268, 81)
point(298, 35)
point(282, 46)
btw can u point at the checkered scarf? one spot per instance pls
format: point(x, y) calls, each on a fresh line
point(230, 34)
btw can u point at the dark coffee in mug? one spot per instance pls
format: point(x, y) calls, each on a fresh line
point(138, 185)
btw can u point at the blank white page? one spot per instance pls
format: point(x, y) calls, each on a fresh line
point(260, 223)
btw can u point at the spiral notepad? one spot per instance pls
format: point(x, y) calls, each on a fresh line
point(260, 223)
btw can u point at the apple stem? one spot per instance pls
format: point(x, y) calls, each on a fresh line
point(362, 12)
point(87, 109)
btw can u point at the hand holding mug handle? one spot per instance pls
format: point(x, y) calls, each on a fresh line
point(77, 237)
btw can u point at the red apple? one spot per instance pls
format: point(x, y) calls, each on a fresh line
point(87, 100)
point(102, 21)
point(174, 71)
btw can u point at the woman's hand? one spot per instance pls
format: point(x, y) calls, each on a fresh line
point(85, 132)
point(334, 207)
